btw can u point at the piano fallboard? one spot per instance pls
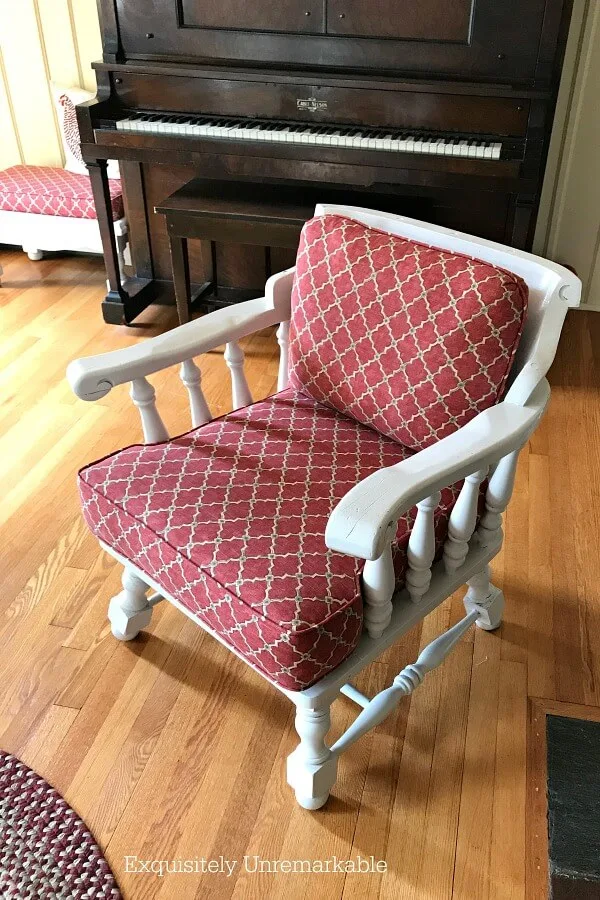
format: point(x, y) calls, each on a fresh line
point(323, 102)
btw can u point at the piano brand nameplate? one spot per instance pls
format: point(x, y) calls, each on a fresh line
point(311, 104)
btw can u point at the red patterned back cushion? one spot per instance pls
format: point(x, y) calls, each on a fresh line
point(408, 339)
point(71, 129)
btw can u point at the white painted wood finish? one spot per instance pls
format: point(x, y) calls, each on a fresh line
point(486, 598)
point(405, 682)
point(144, 397)
point(348, 690)
point(421, 548)
point(240, 392)
point(130, 611)
point(93, 377)
point(283, 333)
point(378, 583)
point(364, 521)
point(497, 497)
point(37, 233)
point(311, 768)
point(463, 519)
point(191, 377)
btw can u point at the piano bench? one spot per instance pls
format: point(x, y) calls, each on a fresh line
point(231, 212)
point(263, 215)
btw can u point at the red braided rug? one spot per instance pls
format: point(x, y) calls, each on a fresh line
point(45, 849)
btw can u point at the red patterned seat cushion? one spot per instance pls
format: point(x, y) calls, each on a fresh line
point(230, 520)
point(50, 191)
point(408, 339)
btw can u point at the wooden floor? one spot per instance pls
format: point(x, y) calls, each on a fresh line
point(172, 749)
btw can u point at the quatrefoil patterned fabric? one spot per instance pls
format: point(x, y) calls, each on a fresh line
point(405, 338)
point(230, 519)
point(49, 191)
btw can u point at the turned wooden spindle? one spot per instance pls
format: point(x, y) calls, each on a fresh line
point(499, 492)
point(144, 397)
point(463, 519)
point(192, 378)
point(421, 548)
point(283, 340)
point(383, 703)
point(378, 583)
point(234, 357)
point(312, 726)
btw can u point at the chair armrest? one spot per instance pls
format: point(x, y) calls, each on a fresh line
point(358, 526)
point(94, 376)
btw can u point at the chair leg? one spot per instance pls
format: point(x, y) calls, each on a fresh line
point(33, 253)
point(312, 768)
point(129, 612)
point(486, 598)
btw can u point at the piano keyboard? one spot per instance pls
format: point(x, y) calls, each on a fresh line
point(313, 135)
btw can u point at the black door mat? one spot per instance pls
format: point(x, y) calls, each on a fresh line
point(573, 747)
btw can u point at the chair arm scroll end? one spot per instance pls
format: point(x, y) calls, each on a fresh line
point(85, 384)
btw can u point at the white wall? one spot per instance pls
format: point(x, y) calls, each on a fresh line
point(41, 41)
point(569, 223)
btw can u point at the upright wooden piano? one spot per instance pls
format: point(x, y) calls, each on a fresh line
point(446, 106)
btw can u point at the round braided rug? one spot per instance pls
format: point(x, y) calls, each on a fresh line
point(46, 851)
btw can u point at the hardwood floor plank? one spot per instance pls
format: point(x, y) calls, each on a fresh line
point(443, 800)
point(371, 835)
point(79, 686)
point(540, 608)
point(507, 852)
point(513, 564)
point(406, 841)
point(475, 826)
point(154, 650)
point(46, 736)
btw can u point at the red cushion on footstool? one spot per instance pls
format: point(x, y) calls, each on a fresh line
point(230, 518)
point(49, 191)
point(406, 338)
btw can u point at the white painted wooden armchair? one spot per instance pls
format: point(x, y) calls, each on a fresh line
point(288, 528)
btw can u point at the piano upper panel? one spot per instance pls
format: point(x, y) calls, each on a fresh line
point(444, 21)
point(464, 38)
point(265, 15)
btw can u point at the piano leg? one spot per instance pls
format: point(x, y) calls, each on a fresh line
point(113, 307)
